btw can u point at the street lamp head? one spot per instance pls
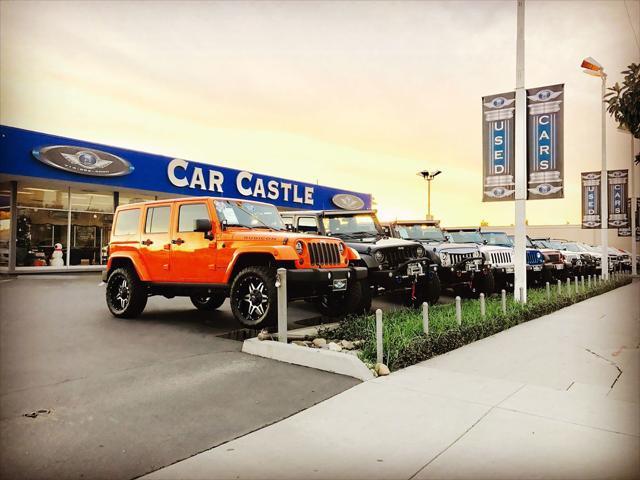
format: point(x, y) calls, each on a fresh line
point(436, 173)
point(591, 67)
point(424, 173)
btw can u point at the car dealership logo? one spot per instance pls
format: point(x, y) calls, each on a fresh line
point(84, 161)
point(347, 201)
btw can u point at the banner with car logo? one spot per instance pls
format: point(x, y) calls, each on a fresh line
point(545, 142)
point(591, 211)
point(626, 231)
point(498, 138)
point(617, 191)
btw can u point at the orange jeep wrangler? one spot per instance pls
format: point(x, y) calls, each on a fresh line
point(212, 248)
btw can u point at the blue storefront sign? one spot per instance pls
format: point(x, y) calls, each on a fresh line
point(26, 153)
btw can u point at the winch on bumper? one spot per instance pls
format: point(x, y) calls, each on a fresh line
point(304, 282)
point(462, 272)
point(404, 275)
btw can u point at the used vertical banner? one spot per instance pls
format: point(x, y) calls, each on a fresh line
point(498, 127)
point(617, 190)
point(591, 210)
point(545, 152)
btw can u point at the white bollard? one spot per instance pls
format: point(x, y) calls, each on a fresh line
point(483, 311)
point(504, 301)
point(559, 287)
point(458, 311)
point(548, 291)
point(589, 282)
point(569, 286)
point(425, 318)
point(576, 284)
point(379, 335)
point(582, 282)
point(281, 285)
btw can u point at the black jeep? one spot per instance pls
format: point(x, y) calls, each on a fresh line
point(394, 265)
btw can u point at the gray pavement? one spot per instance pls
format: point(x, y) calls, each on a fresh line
point(557, 397)
point(130, 396)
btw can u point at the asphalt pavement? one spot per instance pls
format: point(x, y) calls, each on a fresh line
point(121, 398)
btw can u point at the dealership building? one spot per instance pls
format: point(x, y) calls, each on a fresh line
point(57, 190)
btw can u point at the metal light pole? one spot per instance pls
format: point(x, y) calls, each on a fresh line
point(634, 245)
point(591, 67)
point(429, 178)
point(520, 260)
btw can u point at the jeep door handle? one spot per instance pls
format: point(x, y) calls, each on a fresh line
point(147, 242)
point(177, 241)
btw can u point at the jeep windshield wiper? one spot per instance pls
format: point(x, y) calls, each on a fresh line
point(258, 219)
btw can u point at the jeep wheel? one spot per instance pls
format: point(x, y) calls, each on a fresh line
point(484, 283)
point(212, 302)
point(126, 295)
point(357, 299)
point(253, 298)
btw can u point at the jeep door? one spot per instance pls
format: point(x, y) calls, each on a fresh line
point(193, 256)
point(155, 243)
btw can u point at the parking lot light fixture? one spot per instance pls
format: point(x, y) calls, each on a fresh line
point(429, 176)
point(591, 67)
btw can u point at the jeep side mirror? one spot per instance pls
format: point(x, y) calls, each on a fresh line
point(203, 225)
point(289, 227)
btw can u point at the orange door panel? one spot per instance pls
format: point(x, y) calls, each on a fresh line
point(155, 242)
point(193, 256)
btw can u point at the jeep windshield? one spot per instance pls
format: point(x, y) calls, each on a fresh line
point(469, 236)
point(359, 226)
point(529, 243)
point(234, 213)
point(421, 233)
point(499, 239)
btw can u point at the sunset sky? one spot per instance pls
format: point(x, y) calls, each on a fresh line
point(356, 95)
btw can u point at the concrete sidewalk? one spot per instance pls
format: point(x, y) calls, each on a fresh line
point(557, 397)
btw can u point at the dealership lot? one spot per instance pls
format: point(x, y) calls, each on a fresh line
point(124, 397)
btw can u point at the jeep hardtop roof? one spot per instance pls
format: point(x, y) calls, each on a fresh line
point(466, 229)
point(431, 223)
point(182, 199)
point(328, 212)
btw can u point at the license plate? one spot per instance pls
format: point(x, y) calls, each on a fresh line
point(339, 285)
point(414, 269)
point(509, 269)
point(559, 267)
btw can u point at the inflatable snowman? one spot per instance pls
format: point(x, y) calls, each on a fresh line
point(56, 256)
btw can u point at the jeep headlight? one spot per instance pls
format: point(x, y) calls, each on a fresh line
point(539, 255)
point(299, 247)
point(379, 256)
point(341, 248)
point(420, 252)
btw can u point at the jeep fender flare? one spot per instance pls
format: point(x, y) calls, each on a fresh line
point(131, 258)
point(277, 252)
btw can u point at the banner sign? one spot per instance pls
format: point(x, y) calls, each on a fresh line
point(617, 190)
point(545, 142)
point(498, 138)
point(626, 231)
point(591, 210)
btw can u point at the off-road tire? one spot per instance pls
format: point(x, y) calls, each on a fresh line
point(240, 288)
point(484, 283)
point(126, 295)
point(208, 303)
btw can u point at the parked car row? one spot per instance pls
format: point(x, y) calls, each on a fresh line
point(211, 249)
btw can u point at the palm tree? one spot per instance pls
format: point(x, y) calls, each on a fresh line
point(623, 102)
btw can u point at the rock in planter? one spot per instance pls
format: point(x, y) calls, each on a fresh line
point(347, 345)
point(264, 334)
point(334, 347)
point(319, 342)
point(382, 370)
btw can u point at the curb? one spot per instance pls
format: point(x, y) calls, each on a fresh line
point(320, 359)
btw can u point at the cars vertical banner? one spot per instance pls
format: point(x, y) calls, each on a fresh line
point(545, 144)
point(591, 211)
point(617, 190)
point(498, 137)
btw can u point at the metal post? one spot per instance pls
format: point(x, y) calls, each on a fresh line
point(604, 187)
point(589, 282)
point(576, 284)
point(425, 318)
point(281, 284)
point(504, 301)
point(458, 311)
point(428, 199)
point(379, 336)
point(559, 287)
point(632, 187)
point(520, 260)
point(548, 291)
point(568, 285)
point(582, 282)
point(483, 311)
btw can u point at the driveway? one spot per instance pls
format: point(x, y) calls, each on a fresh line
point(121, 398)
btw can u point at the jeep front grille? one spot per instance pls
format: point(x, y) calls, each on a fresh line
point(458, 257)
point(533, 259)
point(554, 257)
point(501, 257)
point(324, 253)
point(395, 256)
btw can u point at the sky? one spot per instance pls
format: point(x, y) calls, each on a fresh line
point(355, 95)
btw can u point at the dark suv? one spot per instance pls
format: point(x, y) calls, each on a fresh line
point(393, 264)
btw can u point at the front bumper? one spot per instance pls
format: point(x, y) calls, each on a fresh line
point(400, 278)
point(312, 282)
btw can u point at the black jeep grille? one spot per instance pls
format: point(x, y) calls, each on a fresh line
point(324, 253)
point(458, 257)
point(395, 256)
point(554, 257)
